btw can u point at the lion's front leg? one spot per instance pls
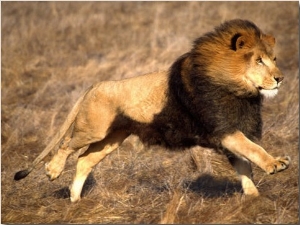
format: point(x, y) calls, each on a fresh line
point(240, 145)
point(244, 170)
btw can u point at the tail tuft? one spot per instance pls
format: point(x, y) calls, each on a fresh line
point(21, 174)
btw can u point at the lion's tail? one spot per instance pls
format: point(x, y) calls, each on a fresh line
point(56, 139)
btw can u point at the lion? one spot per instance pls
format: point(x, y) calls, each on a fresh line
point(211, 96)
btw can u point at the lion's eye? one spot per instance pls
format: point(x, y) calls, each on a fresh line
point(260, 61)
point(274, 59)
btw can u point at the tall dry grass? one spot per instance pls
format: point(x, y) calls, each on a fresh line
point(52, 51)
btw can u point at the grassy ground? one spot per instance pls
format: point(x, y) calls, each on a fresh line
point(51, 52)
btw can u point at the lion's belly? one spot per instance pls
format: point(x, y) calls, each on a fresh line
point(169, 137)
point(179, 131)
point(169, 128)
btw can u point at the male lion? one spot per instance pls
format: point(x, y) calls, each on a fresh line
point(211, 96)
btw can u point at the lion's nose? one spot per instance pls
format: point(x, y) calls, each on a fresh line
point(278, 79)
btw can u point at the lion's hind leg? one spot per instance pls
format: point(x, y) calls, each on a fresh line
point(57, 163)
point(91, 157)
point(244, 170)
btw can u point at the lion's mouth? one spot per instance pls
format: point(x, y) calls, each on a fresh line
point(262, 88)
point(269, 93)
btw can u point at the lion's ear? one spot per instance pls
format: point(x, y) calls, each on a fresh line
point(269, 39)
point(239, 41)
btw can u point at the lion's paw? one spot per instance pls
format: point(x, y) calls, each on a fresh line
point(280, 163)
point(53, 170)
point(249, 187)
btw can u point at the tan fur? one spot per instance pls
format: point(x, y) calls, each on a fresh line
point(141, 98)
point(246, 149)
point(240, 145)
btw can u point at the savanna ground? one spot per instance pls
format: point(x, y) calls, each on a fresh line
point(53, 51)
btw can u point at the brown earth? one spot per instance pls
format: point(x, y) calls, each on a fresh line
point(51, 52)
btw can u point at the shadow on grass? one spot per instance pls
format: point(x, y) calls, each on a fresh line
point(205, 185)
point(211, 187)
point(87, 187)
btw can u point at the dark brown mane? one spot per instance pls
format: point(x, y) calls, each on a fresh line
point(224, 54)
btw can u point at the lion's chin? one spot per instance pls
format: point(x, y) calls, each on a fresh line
point(269, 93)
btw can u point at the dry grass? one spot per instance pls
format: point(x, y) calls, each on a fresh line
point(51, 52)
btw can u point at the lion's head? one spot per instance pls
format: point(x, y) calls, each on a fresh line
point(238, 56)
